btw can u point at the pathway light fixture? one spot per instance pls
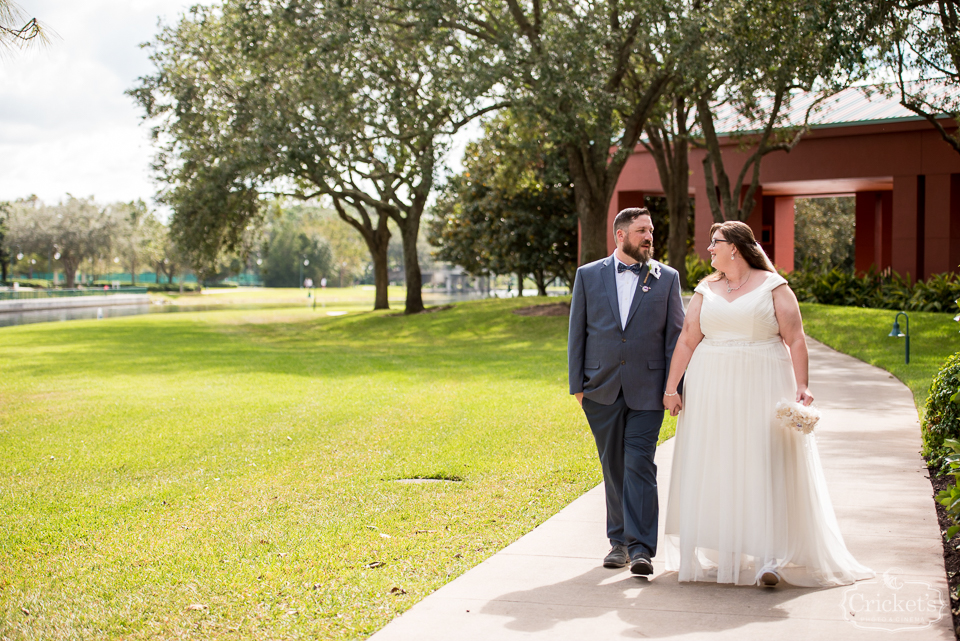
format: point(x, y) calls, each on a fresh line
point(305, 263)
point(896, 333)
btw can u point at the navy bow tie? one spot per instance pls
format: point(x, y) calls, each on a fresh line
point(635, 268)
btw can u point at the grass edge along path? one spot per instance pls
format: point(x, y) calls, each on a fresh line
point(234, 474)
point(864, 334)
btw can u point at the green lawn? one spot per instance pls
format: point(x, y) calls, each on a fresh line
point(360, 297)
point(863, 333)
point(234, 474)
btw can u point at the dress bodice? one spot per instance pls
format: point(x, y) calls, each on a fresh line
point(751, 317)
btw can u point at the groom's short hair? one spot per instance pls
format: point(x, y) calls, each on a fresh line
point(626, 217)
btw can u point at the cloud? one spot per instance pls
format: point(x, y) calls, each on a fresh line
point(66, 125)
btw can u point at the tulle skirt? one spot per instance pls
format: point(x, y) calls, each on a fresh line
point(747, 494)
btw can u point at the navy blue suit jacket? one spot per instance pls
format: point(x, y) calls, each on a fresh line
point(602, 357)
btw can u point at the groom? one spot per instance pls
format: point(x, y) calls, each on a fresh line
point(625, 317)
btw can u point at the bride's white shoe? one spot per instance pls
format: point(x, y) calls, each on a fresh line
point(768, 579)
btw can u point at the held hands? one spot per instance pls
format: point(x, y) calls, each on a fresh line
point(672, 404)
point(804, 395)
point(579, 397)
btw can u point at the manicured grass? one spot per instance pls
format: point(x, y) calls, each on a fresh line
point(863, 333)
point(359, 296)
point(234, 474)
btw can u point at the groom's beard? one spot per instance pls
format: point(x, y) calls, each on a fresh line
point(640, 253)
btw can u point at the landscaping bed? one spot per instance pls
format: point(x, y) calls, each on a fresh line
point(951, 555)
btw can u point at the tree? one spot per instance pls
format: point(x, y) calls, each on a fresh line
point(6, 255)
point(593, 72)
point(512, 210)
point(921, 42)
point(290, 242)
point(824, 233)
point(303, 100)
point(16, 30)
point(753, 60)
point(668, 141)
point(78, 229)
point(139, 236)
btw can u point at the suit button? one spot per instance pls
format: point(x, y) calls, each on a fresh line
point(623, 340)
point(623, 362)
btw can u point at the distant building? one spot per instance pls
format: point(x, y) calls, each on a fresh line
point(905, 178)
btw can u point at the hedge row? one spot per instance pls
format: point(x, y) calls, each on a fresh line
point(873, 289)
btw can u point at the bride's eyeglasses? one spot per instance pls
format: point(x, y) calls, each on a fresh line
point(714, 241)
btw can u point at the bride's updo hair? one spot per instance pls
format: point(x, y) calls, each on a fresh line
point(742, 237)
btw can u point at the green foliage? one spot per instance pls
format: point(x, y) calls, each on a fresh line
point(175, 287)
point(950, 497)
point(697, 270)
point(863, 334)
point(511, 211)
point(875, 289)
point(824, 233)
point(941, 420)
point(291, 240)
point(33, 282)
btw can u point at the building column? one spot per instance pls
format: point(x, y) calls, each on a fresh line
point(937, 225)
point(904, 223)
point(884, 245)
point(865, 245)
point(783, 228)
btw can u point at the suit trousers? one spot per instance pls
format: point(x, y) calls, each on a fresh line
point(627, 442)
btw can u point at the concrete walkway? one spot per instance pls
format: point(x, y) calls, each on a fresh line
point(550, 584)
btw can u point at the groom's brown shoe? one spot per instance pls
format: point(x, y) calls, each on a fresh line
point(641, 565)
point(617, 557)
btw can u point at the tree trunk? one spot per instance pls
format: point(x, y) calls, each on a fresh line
point(381, 274)
point(411, 265)
point(592, 202)
point(377, 240)
point(520, 285)
point(409, 231)
point(669, 146)
point(133, 273)
point(70, 273)
point(541, 283)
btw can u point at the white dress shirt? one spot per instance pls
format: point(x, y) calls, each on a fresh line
point(626, 287)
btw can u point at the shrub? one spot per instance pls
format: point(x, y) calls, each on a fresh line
point(950, 497)
point(875, 289)
point(697, 270)
point(32, 282)
point(941, 419)
point(171, 287)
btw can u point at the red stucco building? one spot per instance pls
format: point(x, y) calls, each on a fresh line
point(905, 178)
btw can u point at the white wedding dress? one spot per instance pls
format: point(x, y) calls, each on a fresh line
point(746, 494)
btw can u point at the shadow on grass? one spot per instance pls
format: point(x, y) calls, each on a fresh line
point(468, 340)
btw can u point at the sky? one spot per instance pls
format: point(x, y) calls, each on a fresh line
point(66, 125)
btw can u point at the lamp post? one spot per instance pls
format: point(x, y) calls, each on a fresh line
point(304, 264)
point(896, 333)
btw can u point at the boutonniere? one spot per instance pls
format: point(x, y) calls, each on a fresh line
point(655, 270)
point(645, 289)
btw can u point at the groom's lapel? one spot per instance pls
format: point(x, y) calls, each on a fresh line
point(608, 275)
point(638, 294)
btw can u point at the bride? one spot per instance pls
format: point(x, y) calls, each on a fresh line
point(748, 500)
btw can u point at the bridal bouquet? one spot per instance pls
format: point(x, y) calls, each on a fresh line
point(797, 416)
